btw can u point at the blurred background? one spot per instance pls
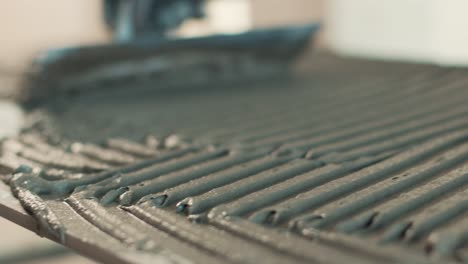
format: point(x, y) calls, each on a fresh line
point(426, 31)
point(28, 27)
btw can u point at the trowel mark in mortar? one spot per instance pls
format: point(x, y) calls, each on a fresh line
point(64, 187)
point(182, 176)
point(151, 172)
point(47, 221)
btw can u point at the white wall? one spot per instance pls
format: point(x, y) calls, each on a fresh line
point(27, 27)
point(416, 30)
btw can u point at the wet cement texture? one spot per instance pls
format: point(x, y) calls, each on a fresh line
point(351, 162)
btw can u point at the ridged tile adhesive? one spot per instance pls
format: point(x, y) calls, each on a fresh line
point(356, 162)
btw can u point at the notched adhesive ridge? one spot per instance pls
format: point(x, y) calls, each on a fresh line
point(48, 224)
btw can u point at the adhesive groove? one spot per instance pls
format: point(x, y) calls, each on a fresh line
point(360, 162)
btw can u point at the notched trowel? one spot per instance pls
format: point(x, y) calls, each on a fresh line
point(156, 62)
